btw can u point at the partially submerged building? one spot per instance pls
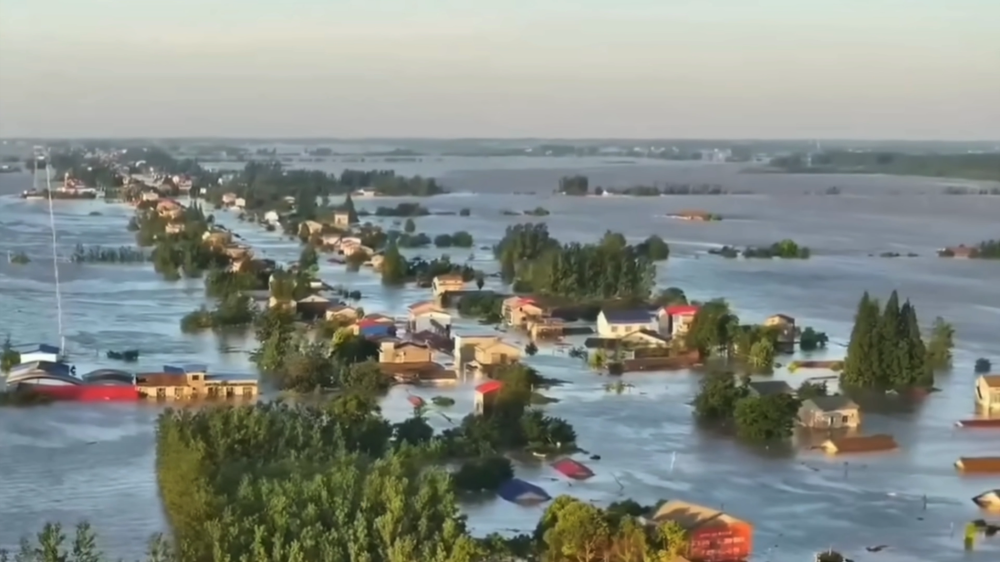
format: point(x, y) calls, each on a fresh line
point(829, 412)
point(988, 392)
point(713, 536)
point(860, 444)
point(617, 323)
point(193, 382)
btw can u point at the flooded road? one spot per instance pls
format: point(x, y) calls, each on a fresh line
point(75, 461)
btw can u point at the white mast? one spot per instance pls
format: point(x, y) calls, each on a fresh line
point(55, 252)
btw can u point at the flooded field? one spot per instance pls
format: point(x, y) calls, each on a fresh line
point(95, 462)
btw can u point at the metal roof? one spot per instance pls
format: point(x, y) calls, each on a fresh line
point(626, 316)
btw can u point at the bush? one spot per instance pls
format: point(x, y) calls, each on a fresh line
point(983, 365)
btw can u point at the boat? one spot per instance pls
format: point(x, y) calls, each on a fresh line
point(46, 371)
point(129, 355)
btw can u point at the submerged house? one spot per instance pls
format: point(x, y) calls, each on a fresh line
point(785, 325)
point(404, 352)
point(978, 465)
point(617, 323)
point(675, 320)
point(427, 316)
point(769, 388)
point(989, 500)
point(486, 395)
point(443, 284)
point(988, 392)
point(518, 491)
point(712, 534)
point(829, 412)
point(494, 354)
point(861, 444)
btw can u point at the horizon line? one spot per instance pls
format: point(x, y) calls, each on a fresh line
point(500, 138)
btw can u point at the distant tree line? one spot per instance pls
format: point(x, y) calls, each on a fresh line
point(580, 185)
point(976, 166)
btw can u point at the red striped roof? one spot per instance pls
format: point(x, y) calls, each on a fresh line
point(489, 386)
point(681, 309)
point(573, 469)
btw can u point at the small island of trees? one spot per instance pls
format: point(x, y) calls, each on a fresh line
point(785, 249)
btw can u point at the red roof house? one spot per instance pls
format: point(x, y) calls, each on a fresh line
point(681, 310)
point(572, 469)
point(486, 395)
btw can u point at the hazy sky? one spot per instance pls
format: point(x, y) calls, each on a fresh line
point(513, 68)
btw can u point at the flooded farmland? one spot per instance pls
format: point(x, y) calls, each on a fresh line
point(70, 462)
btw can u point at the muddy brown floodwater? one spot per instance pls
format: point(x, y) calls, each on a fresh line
point(70, 462)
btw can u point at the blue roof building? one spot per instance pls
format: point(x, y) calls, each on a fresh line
point(518, 491)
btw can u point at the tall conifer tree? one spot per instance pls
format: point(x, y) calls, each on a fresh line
point(858, 365)
point(890, 350)
point(919, 368)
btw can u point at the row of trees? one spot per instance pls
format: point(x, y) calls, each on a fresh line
point(887, 349)
point(611, 269)
point(580, 185)
point(102, 254)
point(785, 249)
point(979, 166)
point(264, 185)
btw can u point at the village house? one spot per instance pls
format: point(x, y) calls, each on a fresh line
point(643, 339)
point(183, 183)
point(675, 320)
point(240, 203)
point(228, 199)
point(404, 352)
point(860, 444)
point(376, 262)
point(486, 396)
point(342, 220)
point(427, 316)
point(330, 240)
point(170, 209)
point(237, 251)
point(275, 302)
point(311, 228)
point(693, 215)
point(217, 238)
point(272, 217)
point(545, 328)
point(769, 388)
point(495, 353)
point(174, 228)
point(357, 249)
point(617, 323)
point(465, 346)
point(313, 306)
point(150, 195)
point(712, 534)
point(341, 313)
point(960, 252)
point(518, 311)
point(374, 327)
point(829, 412)
point(787, 332)
point(443, 284)
point(988, 392)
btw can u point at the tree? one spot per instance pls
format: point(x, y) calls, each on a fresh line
point(941, 343)
point(810, 339)
point(761, 356)
point(309, 258)
point(352, 213)
point(811, 390)
point(480, 281)
point(10, 357)
point(717, 398)
point(713, 328)
point(983, 365)
point(918, 370)
point(487, 473)
point(863, 348)
point(579, 532)
point(531, 348)
point(766, 418)
point(654, 248)
point(892, 354)
point(395, 269)
point(409, 226)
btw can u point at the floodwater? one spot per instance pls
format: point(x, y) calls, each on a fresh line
point(93, 461)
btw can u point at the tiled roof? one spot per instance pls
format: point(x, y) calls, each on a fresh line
point(992, 381)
